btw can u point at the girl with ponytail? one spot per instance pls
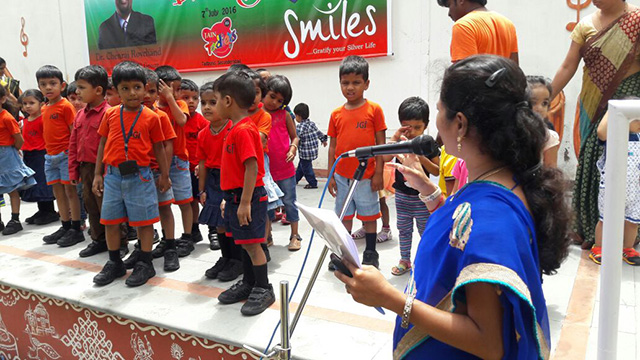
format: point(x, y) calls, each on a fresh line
point(476, 287)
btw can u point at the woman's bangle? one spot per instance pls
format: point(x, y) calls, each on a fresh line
point(432, 197)
point(294, 145)
point(406, 313)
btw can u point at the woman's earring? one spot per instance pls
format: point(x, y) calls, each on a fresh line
point(459, 144)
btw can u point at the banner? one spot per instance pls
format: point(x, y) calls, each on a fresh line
point(201, 35)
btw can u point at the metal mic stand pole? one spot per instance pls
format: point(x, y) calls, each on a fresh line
point(283, 350)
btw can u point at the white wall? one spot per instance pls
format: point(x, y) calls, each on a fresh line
point(421, 36)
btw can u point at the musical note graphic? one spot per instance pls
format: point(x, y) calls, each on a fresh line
point(24, 38)
point(578, 6)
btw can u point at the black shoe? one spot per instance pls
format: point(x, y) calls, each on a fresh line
point(95, 247)
point(184, 247)
point(171, 262)
point(131, 261)
point(142, 272)
point(214, 271)
point(259, 300)
point(53, 238)
point(124, 250)
point(32, 219)
point(237, 292)
point(371, 257)
point(266, 251)
point(109, 272)
point(132, 234)
point(13, 226)
point(214, 244)
point(158, 252)
point(70, 238)
point(46, 218)
point(156, 237)
point(1, 226)
point(196, 237)
point(231, 270)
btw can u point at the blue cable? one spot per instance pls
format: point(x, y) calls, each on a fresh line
point(306, 256)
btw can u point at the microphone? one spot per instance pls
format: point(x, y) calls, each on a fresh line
point(423, 145)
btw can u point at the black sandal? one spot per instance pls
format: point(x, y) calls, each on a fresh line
point(310, 187)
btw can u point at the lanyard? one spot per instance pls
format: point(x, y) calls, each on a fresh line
point(128, 136)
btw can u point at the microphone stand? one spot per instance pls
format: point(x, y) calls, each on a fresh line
point(284, 352)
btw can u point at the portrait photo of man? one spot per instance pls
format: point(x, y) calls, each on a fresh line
point(126, 28)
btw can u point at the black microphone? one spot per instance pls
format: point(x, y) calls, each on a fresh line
point(423, 145)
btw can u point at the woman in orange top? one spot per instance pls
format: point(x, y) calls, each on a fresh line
point(14, 175)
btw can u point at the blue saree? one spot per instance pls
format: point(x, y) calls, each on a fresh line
point(484, 233)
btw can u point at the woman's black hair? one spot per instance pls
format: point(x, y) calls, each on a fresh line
point(492, 93)
point(280, 84)
point(262, 85)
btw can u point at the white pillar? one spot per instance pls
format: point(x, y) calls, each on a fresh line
point(620, 114)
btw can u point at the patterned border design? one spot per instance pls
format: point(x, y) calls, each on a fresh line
point(89, 334)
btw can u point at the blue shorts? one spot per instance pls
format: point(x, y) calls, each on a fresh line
point(164, 198)
point(255, 231)
point(56, 168)
point(211, 214)
point(365, 202)
point(130, 198)
point(180, 181)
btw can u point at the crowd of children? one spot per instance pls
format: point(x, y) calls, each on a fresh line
point(125, 148)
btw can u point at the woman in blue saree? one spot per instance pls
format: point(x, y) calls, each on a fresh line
point(476, 287)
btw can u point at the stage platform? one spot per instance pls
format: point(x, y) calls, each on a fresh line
point(50, 308)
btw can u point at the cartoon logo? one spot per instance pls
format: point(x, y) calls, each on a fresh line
point(219, 38)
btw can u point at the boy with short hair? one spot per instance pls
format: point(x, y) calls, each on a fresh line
point(129, 133)
point(112, 97)
point(190, 93)
point(178, 112)
point(359, 122)
point(91, 83)
point(309, 136)
point(165, 199)
point(57, 119)
point(245, 199)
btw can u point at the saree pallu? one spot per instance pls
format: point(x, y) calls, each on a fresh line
point(483, 234)
point(608, 57)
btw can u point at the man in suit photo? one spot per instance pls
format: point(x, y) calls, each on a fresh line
point(126, 28)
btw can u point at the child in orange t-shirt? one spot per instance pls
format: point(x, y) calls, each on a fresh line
point(14, 174)
point(33, 151)
point(209, 152)
point(262, 119)
point(57, 119)
point(165, 199)
point(178, 112)
point(357, 123)
point(245, 199)
point(129, 133)
point(190, 94)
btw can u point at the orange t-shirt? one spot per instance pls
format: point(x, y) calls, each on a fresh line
point(192, 128)
point(56, 120)
point(8, 128)
point(262, 119)
point(242, 143)
point(483, 32)
point(353, 129)
point(210, 146)
point(146, 132)
point(180, 143)
point(167, 132)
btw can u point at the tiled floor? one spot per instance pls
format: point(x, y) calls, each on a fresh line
point(333, 326)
